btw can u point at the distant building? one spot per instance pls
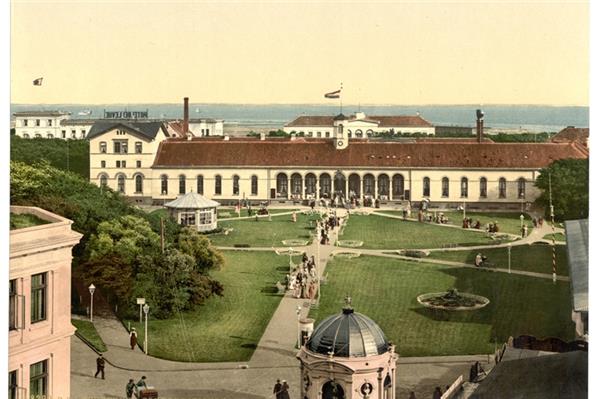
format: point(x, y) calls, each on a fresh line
point(39, 329)
point(357, 125)
point(571, 134)
point(50, 125)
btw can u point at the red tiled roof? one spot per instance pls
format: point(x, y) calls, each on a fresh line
point(321, 153)
point(384, 121)
point(570, 133)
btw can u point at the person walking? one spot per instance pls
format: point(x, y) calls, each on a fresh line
point(284, 390)
point(277, 389)
point(412, 395)
point(133, 338)
point(437, 394)
point(129, 389)
point(100, 366)
point(142, 382)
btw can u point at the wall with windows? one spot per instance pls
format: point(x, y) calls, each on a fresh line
point(42, 126)
point(122, 159)
point(203, 128)
point(40, 305)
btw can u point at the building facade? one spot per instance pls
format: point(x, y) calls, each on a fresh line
point(40, 306)
point(357, 125)
point(446, 172)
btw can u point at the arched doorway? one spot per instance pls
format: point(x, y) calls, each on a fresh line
point(332, 390)
point(297, 185)
point(339, 184)
point(282, 185)
point(383, 186)
point(398, 187)
point(325, 183)
point(369, 185)
point(354, 190)
point(310, 182)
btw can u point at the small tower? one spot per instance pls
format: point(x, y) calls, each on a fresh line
point(347, 357)
point(339, 135)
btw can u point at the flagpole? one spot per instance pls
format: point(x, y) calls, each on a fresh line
point(341, 87)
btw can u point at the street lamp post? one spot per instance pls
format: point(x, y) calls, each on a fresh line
point(509, 246)
point(298, 310)
point(464, 209)
point(92, 288)
point(522, 218)
point(146, 310)
point(290, 253)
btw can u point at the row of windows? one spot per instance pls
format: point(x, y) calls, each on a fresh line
point(325, 185)
point(120, 147)
point(51, 135)
point(38, 302)
point(121, 164)
point(37, 122)
point(38, 381)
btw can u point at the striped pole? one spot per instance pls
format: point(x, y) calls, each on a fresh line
point(552, 222)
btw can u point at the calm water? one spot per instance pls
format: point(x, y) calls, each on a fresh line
point(527, 117)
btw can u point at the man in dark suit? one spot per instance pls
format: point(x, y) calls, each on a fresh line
point(99, 366)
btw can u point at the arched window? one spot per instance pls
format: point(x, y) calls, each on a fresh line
point(254, 185)
point(181, 184)
point(426, 187)
point(103, 181)
point(521, 187)
point(310, 182)
point(445, 187)
point(121, 184)
point(502, 188)
point(25, 135)
point(369, 132)
point(325, 184)
point(200, 184)
point(50, 136)
point(358, 133)
point(218, 188)
point(383, 185)
point(368, 184)
point(38, 136)
point(464, 187)
point(164, 185)
point(297, 184)
point(398, 186)
point(139, 184)
point(483, 187)
point(282, 185)
point(236, 185)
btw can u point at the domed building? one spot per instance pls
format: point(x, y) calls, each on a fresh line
point(348, 357)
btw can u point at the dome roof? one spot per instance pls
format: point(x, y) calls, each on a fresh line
point(348, 334)
point(192, 200)
point(340, 117)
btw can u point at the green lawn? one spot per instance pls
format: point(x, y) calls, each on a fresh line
point(87, 330)
point(558, 237)
point(229, 212)
point(225, 328)
point(386, 289)
point(509, 222)
point(533, 258)
point(380, 232)
point(265, 233)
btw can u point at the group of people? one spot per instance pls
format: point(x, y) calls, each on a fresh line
point(131, 386)
point(537, 222)
point(303, 280)
point(280, 390)
point(329, 223)
point(438, 218)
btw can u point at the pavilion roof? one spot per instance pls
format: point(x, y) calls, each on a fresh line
point(192, 200)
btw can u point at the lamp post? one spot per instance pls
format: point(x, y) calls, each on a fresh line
point(464, 209)
point(522, 218)
point(290, 253)
point(298, 310)
point(92, 288)
point(146, 310)
point(509, 246)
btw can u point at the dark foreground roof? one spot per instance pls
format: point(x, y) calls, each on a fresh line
point(383, 120)
point(145, 129)
point(560, 376)
point(209, 152)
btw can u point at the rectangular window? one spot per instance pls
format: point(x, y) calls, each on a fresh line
point(123, 164)
point(254, 185)
point(205, 218)
point(138, 164)
point(103, 164)
point(118, 164)
point(38, 379)
point(326, 134)
point(103, 147)
point(38, 297)
point(37, 122)
point(64, 134)
point(25, 122)
point(12, 384)
point(138, 147)
point(49, 122)
point(73, 134)
point(117, 147)
point(187, 219)
point(12, 305)
point(207, 131)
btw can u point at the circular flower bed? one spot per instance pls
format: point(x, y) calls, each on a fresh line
point(452, 300)
point(350, 243)
point(287, 252)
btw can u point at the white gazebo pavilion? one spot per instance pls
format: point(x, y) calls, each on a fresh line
point(194, 210)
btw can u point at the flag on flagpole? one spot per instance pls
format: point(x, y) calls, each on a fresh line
point(333, 94)
point(38, 82)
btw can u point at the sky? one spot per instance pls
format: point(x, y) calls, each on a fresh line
point(469, 52)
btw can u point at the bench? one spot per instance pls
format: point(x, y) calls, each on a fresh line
point(280, 288)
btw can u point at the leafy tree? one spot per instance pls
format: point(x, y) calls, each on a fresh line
point(111, 273)
point(200, 249)
point(570, 188)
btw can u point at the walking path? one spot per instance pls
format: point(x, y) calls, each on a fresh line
point(274, 356)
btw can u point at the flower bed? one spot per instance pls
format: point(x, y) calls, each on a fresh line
point(350, 243)
point(452, 300)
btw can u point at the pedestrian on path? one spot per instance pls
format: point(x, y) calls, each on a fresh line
point(277, 389)
point(100, 366)
point(142, 382)
point(129, 389)
point(437, 394)
point(412, 395)
point(133, 338)
point(284, 390)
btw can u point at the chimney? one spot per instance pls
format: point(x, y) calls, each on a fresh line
point(293, 136)
point(479, 114)
point(186, 115)
point(262, 136)
point(226, 137)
